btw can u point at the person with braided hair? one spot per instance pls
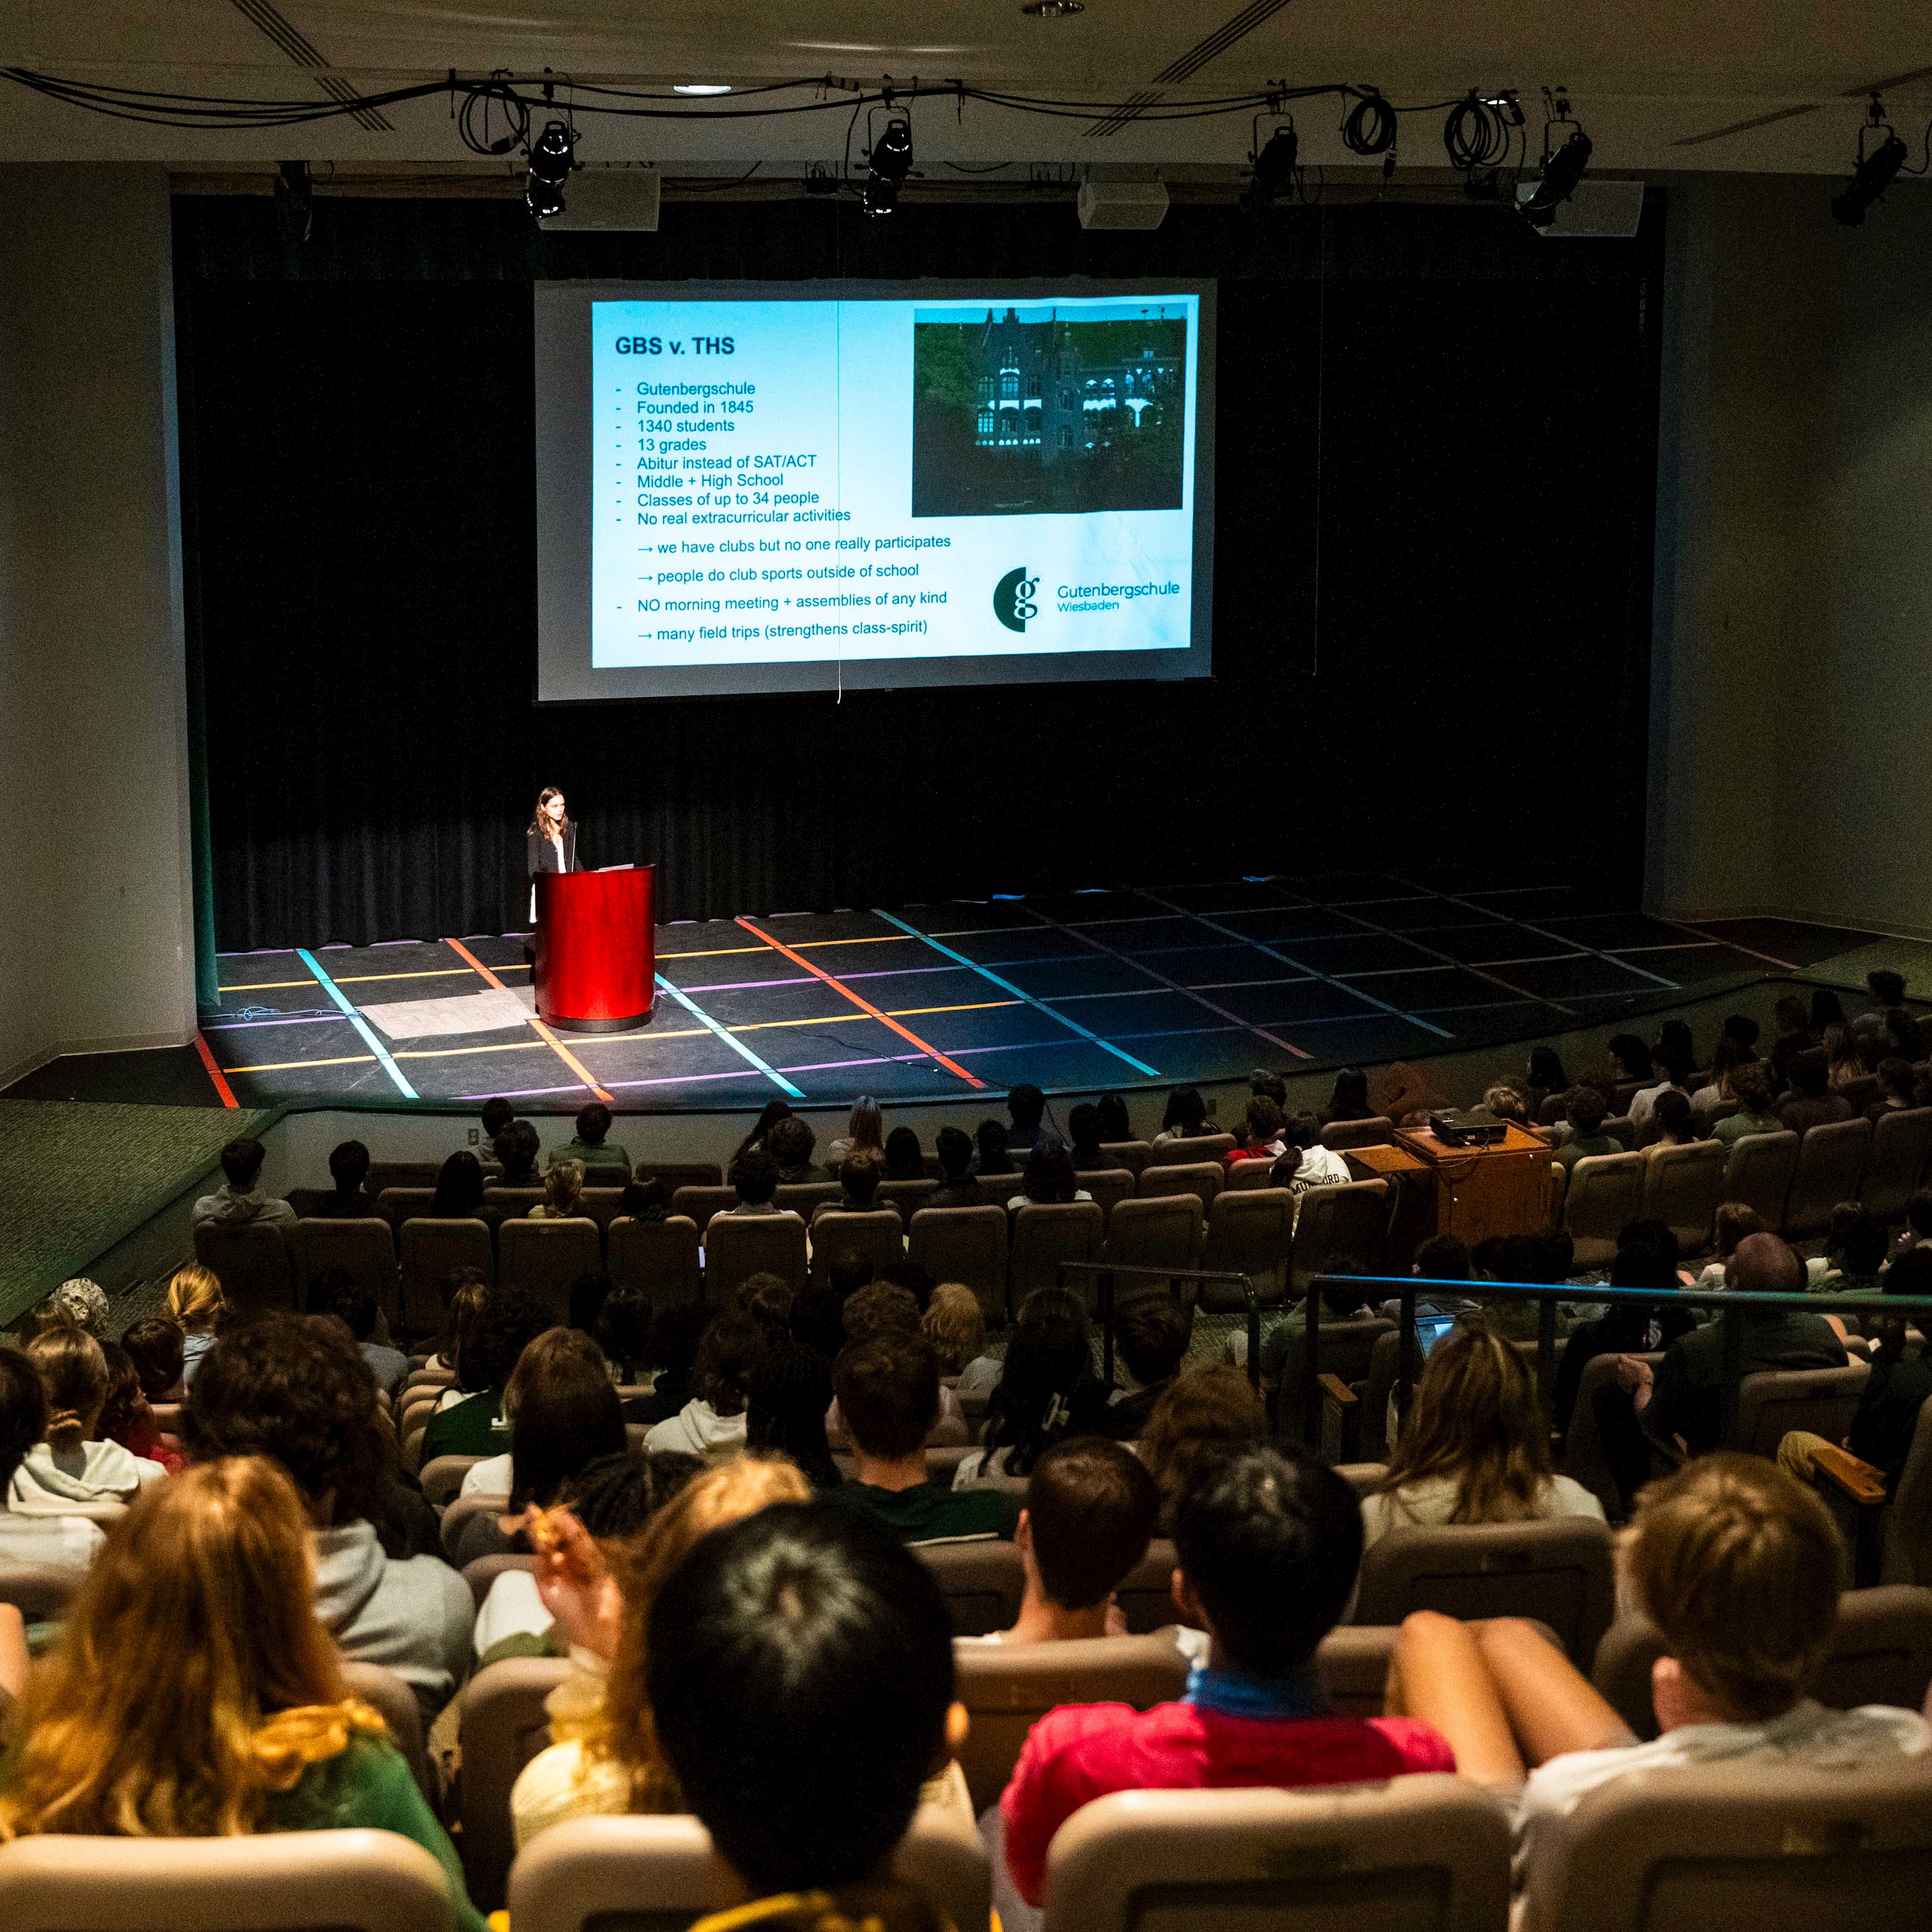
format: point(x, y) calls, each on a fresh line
point(70, 1464)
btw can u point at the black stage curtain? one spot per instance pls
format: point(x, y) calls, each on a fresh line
point(1436, 457)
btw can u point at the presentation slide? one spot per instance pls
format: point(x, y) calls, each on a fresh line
point(756, 487)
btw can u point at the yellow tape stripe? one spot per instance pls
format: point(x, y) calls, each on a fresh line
point(288, 1065)
point(715, 953)
point(267, 985)
point(434, 973)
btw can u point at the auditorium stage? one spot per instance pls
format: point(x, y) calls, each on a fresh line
point(1075, 992)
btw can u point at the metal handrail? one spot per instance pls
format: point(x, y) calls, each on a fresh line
point(1408, 1289)
point(1105, 1271)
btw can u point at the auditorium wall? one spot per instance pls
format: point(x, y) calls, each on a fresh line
point(97, 939)
point(1791, 767)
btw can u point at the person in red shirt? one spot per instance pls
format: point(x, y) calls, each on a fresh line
point(1264, 1141)
point(1269, 1545)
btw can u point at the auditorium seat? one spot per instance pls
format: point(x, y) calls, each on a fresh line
point(676, 1174)
point(1007, 1689)
point(1745, 1844)
point(1344, 1221)
point(40, 1591)
point(432, 1251)
point(1146, 1593)
point(1881, 1654)
point(805, 1198)
point(1557, 1571)
point(1344, 1350)
point(274, 1881)
point(514, 1203)
point(1423, 1854)
point(251, 1262)
point(1622, 1129)
point(479, 1537)
point(1252, 1234)
point(603, 1205)
point(1247, 1175)
point(1132, 1155)
point(461, 1511)
point(1042, 1238)
point(1338, 1136)
point(1901, 1144)
point(660, 1257)
point(655, 1874)
point(967, 1245)
point(1759, 1174)
point(879, 1236)
point(1773, 1402)
point(1204, 1178)
point(738, 1245)
point(481, 1572)
point(1682, 1187)
point(1109, 1186)
point(1605, 1191)
point(905, 1197)
point(982, 1583)
point(701, 1203)
point(1830, 1161)
point(501, 1725)
point(1163, 1232)
point(1190, 1152)
point(1584, 1460)
point(544, 1257)
point(942, 1461)
point(387, 1174)
point(376, 1683)
point(365, 1248)
point(396, 1204)
point(442, 1477)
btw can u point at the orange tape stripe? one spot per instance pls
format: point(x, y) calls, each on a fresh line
point(214, 1072)
point(864, 1005)
point(562, 1052)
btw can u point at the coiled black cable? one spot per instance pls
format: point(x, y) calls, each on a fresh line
point(1477, 134)
point(1369, 128)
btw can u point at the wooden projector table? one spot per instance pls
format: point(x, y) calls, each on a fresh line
point(1471, 1193)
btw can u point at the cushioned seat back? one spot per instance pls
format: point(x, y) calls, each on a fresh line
point(1682, 1188)
point(1340, 1136)
point(40, 1591)
point(602, 1204)
point(513, 1203)
point(1205, 1178)
point(1772, 1402)
point(1899, 1145)
point(878, 1237)
point(252, 1263)
point(1146, 1594)
point(1343, 1221)
point(432, 1252)
point(1908, 1520)
point(1605, 1191)
point(805, 1198)
point(1190, 1152)
point(1041, 1238)
point(397, 1204)
point(502, 1725)
point(481, 1572)
point(965, 1244)
point(660, 1257)
point(677, 1174)
point(1830, 1161)
point(1109, 1186)
point(1132, 1155)
point(905, 1198)
point(376, 1683)
point(1584, 1459)
point(545, 1257)
point(982, 1582)
point(1252, 1234)
point(442, 1477)
point(738, 1245)
point(1163, 1231)
point(701, 1203)
point(1759, 1174)
point(1346, 1349)
point(365, 1248)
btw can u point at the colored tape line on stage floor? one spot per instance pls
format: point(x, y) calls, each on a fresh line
point(356, 1020)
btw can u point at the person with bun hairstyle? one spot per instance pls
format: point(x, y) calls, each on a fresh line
point(194, 1300)
point(69, 1540)
point(70, 1464)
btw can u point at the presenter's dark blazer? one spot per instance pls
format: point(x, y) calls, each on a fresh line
point(543, 854)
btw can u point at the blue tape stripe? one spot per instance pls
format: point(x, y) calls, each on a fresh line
point(1007, 986)
point(730, 1039)
point(356, 1020)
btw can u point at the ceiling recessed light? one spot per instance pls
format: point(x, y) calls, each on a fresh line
point(702, 87)
point(1053, 10)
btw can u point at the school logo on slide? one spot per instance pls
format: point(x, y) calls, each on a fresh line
point(1012, 599)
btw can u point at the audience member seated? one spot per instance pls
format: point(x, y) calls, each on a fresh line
point(904, 1159)
point(1847, 1064)
point(1682, 1397)
point(1348, 1098)
point(907, 1274)
point(872, 1310)
point(790, 1143)
point(156, 1345)
point(1917, 1228)
point(1475, 1447)
point(1545, 1077)
point(1047, 1390)
point(767, 1300)
point(1049, 1180)
point(1673, 1060)
point(888, 1390)
point(1737, 1565)
point(465, 1293)
point(1898, 1387)
point(349, 1200)
point(459, 1192)
point(71, 1541)
point(1624, 1328)
point(71, 1463)
point(865, 1133)
point(787, 1396)
point(496, 1115)
point(1729, 1226)
point(1116, 1126)
point(1304, 1163)
point(1340, 1297)
point(956, 1326)
point(603, 1760)
point(1152, 1332)
point(1585, 1109)
point(1406, 1094)
point(1083, 1129)
point(1268, 1547)
point(510, 1320)
point(1633, 1057)
point(239, 1199)
point(1500, 1103)
point(194, 1694)
point(516, 1148)
point(712, 1423)
point(769, 1115)
point(859, 1175)
point(1671, 1122)
point(125, 1416)
point(1855, 1252)
point(1263, 1141)
point(665, 1342)
point(82, 1304)
point(1726, 1057)
point(1749, 1087)
point(1089, 1514)
point(1205, 1416)
point(845, 1274)
point(801, 1670)
point(1185, 1117)
point(959, 1186)
point(646, 1201)
point(1440, 1257)
point(606, 1164)
point(991, 1157)
point(294, 1389)
point(1813, 1103)
point(563, 1192)
point(1896, 1076)
point(1025, 1105)
point(562, 1414)
point(818, 1320)
point(338, 1293)
point(755, 1175)
point(588, 1294)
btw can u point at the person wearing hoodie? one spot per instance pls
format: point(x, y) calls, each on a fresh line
point(69, 1464)
point(295, 1388)
point(713, 1423)
point(69, 1540)
point(239, 1198)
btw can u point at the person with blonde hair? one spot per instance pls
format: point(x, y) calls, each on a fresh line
point(1205, 1416)
point(194, 1694)
point(866, 1128)
point(70, 1464)
point(605, 1760)
point(956, 1325)
point(1476, 1447)
point(195, 1300)
point(563, 1192)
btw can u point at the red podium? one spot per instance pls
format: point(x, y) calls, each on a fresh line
point(596, 948)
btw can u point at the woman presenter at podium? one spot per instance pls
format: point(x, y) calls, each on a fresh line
point(551, 841)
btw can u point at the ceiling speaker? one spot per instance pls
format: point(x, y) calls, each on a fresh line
point(1603, 209)
point(615, 200)
point(1122, 204)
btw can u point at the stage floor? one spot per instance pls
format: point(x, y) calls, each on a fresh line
point(1074, 992)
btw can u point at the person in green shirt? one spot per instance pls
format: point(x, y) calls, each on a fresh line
point(605, 1163)
point(512, 1319)
point(193, 1694)
point(1583, 1106)
point(1747, 1086)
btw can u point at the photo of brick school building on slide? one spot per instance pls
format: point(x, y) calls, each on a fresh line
point(1018, 415)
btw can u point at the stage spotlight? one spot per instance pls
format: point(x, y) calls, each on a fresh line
point(552, 155)
point(1273, 178)
point(1562, 172)
point(1873, 173)
point(295, 200)
point(891, 152)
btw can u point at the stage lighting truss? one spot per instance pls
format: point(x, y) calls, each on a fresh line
point(1879, 163)
point(1563, 166)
